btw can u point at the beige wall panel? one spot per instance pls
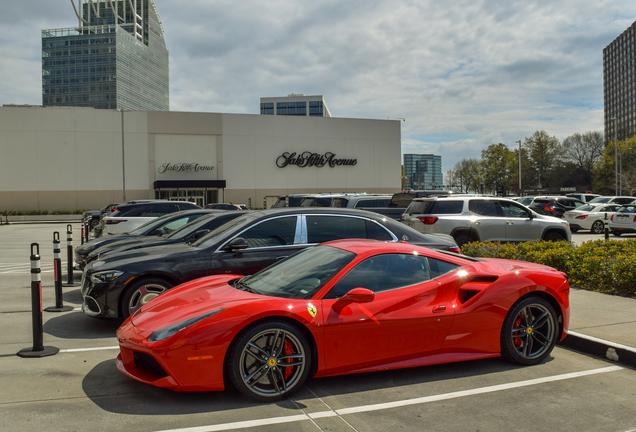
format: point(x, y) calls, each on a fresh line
point(57, 200)
point(17, 119)
point(203, 124)
point(94, 167)
point(56, 161)
point(18, 201)
point(164, 122)
point(56, 119)
point(97, 199)
point(388, 164)
point(18, 160)
point(136, 145)
point(172, 149)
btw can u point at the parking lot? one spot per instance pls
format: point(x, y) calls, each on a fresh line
point(81, 389)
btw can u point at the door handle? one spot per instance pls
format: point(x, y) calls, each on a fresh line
point(477, 222)
point(438, 309)
point(510, 223)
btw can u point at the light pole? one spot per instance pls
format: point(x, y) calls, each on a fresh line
point(620, 177)
point(615, 153)
point(123, 157)
point(519, 166)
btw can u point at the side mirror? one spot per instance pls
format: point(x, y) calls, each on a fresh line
point(237, 243)
point(356, 295)
point(199, 234)
point(157, 232)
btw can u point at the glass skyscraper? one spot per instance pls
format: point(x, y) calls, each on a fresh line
point(295, 105)
point(115, 59)
point(423, 171)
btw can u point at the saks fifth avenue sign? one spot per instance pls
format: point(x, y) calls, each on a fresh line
point(183, 167)
point(309, 159)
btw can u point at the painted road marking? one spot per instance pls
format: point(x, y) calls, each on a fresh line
point(388, 405)
point(89, 349)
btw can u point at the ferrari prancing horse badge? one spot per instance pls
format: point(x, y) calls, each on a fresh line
point(312, 310)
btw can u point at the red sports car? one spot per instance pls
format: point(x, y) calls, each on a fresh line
point(343, 307)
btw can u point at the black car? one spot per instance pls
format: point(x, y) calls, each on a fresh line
point(186, 234)
point(154, 228)
point(117, 286)
point(554, 206)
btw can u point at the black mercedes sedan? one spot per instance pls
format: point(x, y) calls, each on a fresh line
point(154, 228)
point(188, 233)
point(117, 286)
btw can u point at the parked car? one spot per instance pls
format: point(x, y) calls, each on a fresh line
point(188, 233)
point(525, 200)
point(624, 220)
point(154, 228)
point(226, 206)
point(117, 286)
point(401, 200)
point(590, 217)
point(366, 201)
point(320, 200)
point(130, 216)
point(290, 200)
point(474, 218)
point(343, 307)
point(583, 197)
point(554, 206)
point(613, 200)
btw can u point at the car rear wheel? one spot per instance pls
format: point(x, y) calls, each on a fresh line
point(463, 238)
point(529, 331)
point(270, 361)
point(598, 227)
point(140, 293)
point(554, 236)
point(617, 233)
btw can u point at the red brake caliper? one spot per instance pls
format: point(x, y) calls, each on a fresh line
point(517, 340)
point(289, 350)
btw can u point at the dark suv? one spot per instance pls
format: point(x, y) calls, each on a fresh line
point(554, 205)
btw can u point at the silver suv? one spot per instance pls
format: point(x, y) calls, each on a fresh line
point(483, 219)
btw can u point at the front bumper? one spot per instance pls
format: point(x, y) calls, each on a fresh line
point(96, 298)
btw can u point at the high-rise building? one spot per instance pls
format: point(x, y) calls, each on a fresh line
point(116, 58)
point(295, 105)
point(619, 85)
point(423, 171)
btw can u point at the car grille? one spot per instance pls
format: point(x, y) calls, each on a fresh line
point(147, 362)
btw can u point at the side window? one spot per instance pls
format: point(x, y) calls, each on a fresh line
point(483, 207)
point(274, 232)
point(439, 267)
point(141, 211)
point(160, 209)
point(513, 210)
point(178, 223)
point(377, 232)
point(382, 273)
point(365, 203)
point(326, 228)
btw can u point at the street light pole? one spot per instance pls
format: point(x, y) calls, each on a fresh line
point(519, 166)
point(123, 156)
point(615, 153)
point(620, 176)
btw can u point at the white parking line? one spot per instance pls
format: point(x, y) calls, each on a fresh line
point(375, 407)
point(88, 349)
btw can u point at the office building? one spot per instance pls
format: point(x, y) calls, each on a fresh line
point(619, 86)
point(295, 105)
point(423, 171)
point(116, 58)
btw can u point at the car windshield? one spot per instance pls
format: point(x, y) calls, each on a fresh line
point(301, 275)
point(627, 209)
point(151, 225)
point(600, 200)
point(586, 208)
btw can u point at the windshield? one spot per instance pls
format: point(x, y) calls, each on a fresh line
point(586, 208)
point(151, 225)
point(301, 275)
point(601, 200)
point(627, 209)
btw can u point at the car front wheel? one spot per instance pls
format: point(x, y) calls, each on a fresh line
point(529, 331)
point(598, 227)
point(140, 293)
point(270, 361)
point(554, 236)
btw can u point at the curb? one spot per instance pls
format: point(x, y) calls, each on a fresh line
point(609, 350)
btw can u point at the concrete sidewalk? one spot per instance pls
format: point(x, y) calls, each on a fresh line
point(602, 325)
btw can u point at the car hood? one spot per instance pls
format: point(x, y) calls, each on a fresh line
point(101, 241)
point(191, 299)
point(129, 244)
point(134, 255)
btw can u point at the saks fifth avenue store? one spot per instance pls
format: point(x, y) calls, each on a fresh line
point(58, 158)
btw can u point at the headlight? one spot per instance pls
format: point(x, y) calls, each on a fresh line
point(106, 276)
point(173, 329)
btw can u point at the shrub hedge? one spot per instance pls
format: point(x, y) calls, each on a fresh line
point(607, 266)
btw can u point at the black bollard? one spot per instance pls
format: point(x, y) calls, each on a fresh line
point(38, 349)
point(606, 223)
point(57, 272)
point(83, 228)
point(87, 230)
point(69, 256)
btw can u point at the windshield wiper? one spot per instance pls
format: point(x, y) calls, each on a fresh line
point(244, 287)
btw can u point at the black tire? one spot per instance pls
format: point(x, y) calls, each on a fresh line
point(554, 236)
point(598, 227)
point(574, 230)
point(276, 353)
point(616, 233)
point(141, 292)
point(529, 331)
point(463, 238)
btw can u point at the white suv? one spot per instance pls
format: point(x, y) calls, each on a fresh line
point(469, 218)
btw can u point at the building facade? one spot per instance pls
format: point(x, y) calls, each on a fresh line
point(423, 171)
point(116, 58)
point(68, 158)
point(295, 105)
point(619, 86)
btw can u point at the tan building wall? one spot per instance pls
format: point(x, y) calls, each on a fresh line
point(71, 158)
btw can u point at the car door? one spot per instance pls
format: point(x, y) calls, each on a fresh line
point(267, 241)
point(519, 225)
point(409, 315)
point(486, 220)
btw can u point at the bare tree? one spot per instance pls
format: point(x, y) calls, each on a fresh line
point(584, 150)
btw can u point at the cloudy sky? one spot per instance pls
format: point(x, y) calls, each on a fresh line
point(464, 74)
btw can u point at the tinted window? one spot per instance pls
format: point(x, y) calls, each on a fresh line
point(339, 202)
point(483, 207)
point(439, 267)
point(401, 200)
point(436, 207)
point(627, 209)
point(601, 200)
point(377, 232)
point(623, 200)
point(132, 211)
point(382, 273)
point(187, 206)
point(274, 232)
point(326, 228)
point(588, 208)
point(513, 210)
point(178, 223)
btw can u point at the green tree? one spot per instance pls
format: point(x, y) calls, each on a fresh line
point(464, 175)
point(544, 151)
point(497, 166)
point(584, 151)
